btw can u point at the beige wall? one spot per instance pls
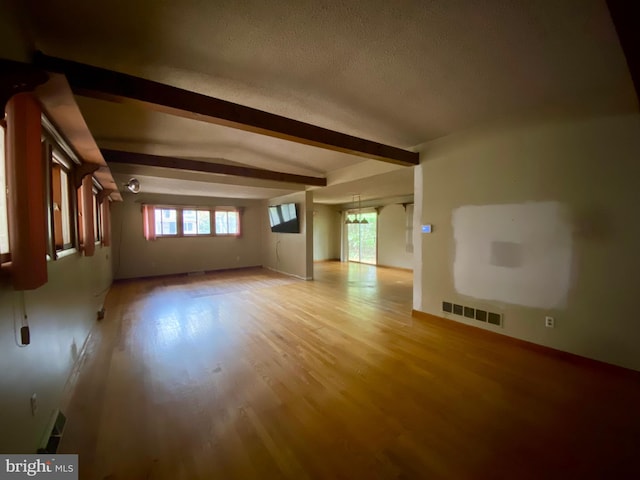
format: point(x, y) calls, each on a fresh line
point(133, 256)
point(393, 248)
point(290, 253)
point(60, 316)
point(534, 220)
point(326, 232)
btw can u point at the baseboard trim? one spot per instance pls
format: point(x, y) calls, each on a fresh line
point(299, 277)
point(395, 268)
point(489, 335)
point(185, 274)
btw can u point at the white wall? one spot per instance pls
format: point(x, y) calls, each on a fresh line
point(533, 220)
point(326, 232)
point(133, 256)
point(393, 248)
point(290, 253)
point(60, 315)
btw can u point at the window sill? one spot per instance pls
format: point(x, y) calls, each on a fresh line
point(66, 253)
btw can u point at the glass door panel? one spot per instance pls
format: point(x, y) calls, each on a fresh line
point(362, 239)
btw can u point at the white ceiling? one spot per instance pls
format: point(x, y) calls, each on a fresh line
point(396, 183)
point(400, 73)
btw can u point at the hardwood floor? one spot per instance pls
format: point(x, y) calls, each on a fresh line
point(249, 374)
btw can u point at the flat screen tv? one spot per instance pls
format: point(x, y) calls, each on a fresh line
point(284, 218)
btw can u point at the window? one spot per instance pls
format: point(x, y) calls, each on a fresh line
point(4, 224)
point(227, 223)
point(105, 222)
point(86, 220)
point(73, 209)
point(166, 221)
point(96, 218)
point(196, 222)
point(61, 206)
point(172, 221)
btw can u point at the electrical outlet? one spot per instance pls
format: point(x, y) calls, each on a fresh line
point(549, 322)
point(34, 404)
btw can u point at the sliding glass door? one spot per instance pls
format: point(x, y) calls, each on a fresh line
point(362, 239)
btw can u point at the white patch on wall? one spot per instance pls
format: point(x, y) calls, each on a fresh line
point(409, 228)
point(516, 253)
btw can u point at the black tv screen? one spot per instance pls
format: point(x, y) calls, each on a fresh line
point(284, 218)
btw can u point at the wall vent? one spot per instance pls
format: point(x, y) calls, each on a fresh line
point(56, 434)
point(472, 312)
point(495, 318)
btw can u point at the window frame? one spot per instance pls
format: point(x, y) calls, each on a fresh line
point(105, 221)
point(158, 214)
point(180, 209)
point(56, 231)
point(97, 213)
point(6, 256)
point(197, 234)
point(55, 150)
point(227, 211)
point(57, 163)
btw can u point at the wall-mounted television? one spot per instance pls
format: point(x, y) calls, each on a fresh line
point(284, 218)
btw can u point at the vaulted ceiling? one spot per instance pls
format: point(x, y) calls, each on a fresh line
point(399, 73)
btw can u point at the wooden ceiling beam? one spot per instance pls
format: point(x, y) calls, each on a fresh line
point(17, 77)
point(105, 84)
point(626, 19)
point(118, 156)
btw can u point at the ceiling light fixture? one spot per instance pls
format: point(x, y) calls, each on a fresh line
point(358, 219)
point(133, 185)
point(363, 221)
point(349, 220)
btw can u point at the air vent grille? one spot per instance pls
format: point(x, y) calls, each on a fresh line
point(472, 312)
point(56, 434)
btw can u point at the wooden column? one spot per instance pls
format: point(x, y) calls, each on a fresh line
point(86, 224)
point(26, 189)
point(106, 222)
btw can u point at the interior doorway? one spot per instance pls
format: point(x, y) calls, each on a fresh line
point(362, 238)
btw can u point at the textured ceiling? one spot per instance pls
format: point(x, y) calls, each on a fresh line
point(392, 184)
point(146, 131)
point(401, 72)
point(199, 188)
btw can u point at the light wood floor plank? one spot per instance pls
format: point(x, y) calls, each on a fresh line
point(250, 374)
